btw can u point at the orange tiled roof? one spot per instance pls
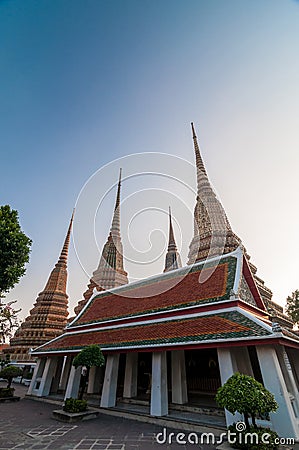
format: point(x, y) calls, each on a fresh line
point(226, 325)
point(171, 291)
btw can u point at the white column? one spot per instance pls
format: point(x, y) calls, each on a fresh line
point(91, 380)
point(242, 360)
point(73, 384)
point(130, 383)
point(227, 366)
point(283, 420)
point(159, 394)
point(293, 355)
point(47, 377)
point(288, 376)
point(65, 372)
point(36, 373)
point(108, 398)
point(178, 377)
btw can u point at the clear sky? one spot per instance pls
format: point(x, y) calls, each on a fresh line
point(84, 82)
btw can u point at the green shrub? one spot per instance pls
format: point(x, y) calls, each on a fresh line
point(242, 393)
point(89, 356)
point(73, 405)
point(6, 392)
point(10, 372)
point(256, 443)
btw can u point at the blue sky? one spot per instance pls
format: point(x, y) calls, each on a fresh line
point(84, 82)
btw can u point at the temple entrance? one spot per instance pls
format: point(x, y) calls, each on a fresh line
point(203, 376)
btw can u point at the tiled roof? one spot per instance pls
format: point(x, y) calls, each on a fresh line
point(168, 292)
point(228, 325)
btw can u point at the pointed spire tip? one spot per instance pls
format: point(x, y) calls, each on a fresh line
point(193, 130)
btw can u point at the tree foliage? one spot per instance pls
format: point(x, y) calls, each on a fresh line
point(14, 249)
point(243, 394)
point(10, 372)
point(89, 356)
point(292, 308)
point(8, 320)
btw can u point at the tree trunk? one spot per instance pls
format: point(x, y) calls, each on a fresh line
point(83, 381)
point(246, 420)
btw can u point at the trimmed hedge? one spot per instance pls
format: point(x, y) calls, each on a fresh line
point(72, 405)
point(6, 392)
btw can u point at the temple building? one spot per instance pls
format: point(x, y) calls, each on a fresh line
point(48, 317)
point(170, 341)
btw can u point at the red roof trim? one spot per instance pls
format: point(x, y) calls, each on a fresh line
point(252, 285)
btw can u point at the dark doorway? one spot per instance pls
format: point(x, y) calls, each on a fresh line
point(144, 375)
point(202, 370)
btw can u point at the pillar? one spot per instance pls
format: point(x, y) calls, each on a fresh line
point(37, 373)
point(159, 394)
point(283, 420)
point(178, 377)
point(108, 398)
point(130, 383)
point(65, 372)
point(47, 377)
point(227, 366)
point(242, 360)
point(288, 375)
point(293, 355)
point(93, 380)
point(73, 384)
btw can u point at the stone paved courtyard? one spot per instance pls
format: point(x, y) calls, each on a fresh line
point(28, 425)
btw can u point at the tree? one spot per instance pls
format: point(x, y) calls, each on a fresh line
point(14, 249)
point(88, 357)
point(292, 308)
point(10, 372)
point(243, 394)
point(8, 320)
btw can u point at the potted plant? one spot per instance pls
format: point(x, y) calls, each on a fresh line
point(76, 409)
point(242, 393)
point(8, 373)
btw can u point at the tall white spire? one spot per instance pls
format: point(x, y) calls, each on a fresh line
point(212, 232)
point(110, 272)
